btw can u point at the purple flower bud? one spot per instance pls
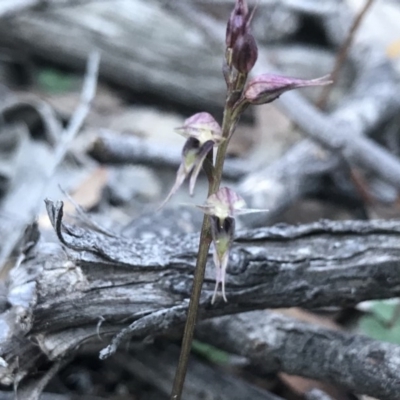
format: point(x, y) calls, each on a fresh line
point(244, 53)
point(268, 87)
point(237, 23)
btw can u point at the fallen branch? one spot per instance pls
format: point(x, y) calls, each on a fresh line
point(112, 148)
point(147, 283)
point(279, 343)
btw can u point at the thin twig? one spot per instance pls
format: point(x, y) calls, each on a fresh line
point(66, 137)
point(342, 55)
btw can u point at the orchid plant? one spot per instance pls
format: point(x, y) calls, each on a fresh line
point(204, 134)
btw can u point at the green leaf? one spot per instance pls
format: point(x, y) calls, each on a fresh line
point(379, 324)
point(54, 81)
point(211, 353)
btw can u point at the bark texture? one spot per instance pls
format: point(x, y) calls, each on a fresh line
point(98, 283)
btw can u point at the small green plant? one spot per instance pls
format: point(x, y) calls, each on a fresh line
point(203, 135)
point(54, 81)
point(382, 321)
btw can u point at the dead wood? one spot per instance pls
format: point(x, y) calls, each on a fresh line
point(37, 163)
point(275, 342)
point(157, 367)
point(114, 149)
point(60, 298)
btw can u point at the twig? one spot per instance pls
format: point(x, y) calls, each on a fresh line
point(342, 55)
point(79, 115)
point(33, 389)
point(66, 137)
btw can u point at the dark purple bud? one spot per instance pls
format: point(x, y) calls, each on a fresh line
point(244, 53)
point(268, 87)
point(237, 23)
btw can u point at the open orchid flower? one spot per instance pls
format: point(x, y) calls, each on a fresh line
point(203, 133)
point(222, 207)
point(266, 88)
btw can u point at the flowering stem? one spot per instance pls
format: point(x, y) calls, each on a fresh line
point(204, 246)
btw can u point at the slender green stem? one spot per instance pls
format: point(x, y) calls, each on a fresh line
point(204, 246)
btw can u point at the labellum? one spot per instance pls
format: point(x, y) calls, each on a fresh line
point(222, 207)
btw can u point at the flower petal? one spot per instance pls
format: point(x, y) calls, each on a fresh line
point(203, 127)
point(180, 177)
point(220, 273)
point(268, 87)
point(204, 150)
point(190, 153)
point(222, 232)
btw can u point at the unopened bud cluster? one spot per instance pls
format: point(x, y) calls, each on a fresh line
point(241, 47)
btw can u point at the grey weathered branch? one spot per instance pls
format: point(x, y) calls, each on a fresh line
point(275, 342)
point(58, 297)
point(111, 148)
point(34, 190)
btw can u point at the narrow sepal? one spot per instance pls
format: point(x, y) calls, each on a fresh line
point(266, 88)
point(202, 154)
